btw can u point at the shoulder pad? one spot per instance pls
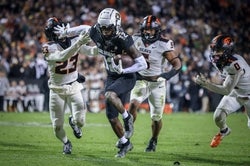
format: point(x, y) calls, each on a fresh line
point(163, 39)
point(49, 47)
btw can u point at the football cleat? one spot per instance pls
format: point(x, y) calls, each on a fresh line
point(218, 138)
point(67, 147)
point(76, 130)
point(125, 148)
point(129, 126)
point(151, 146)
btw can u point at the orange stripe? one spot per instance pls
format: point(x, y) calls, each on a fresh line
point(55, 19)
point(149, 21)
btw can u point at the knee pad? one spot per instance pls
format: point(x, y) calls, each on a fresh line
point(219, 114)
point(156, 117)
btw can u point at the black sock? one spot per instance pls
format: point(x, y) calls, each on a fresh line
point(224, 131)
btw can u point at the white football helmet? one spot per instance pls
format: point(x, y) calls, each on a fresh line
point(109, 20)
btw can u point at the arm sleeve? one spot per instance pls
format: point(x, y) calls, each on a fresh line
point(227, 86)
point(89, 50)
point(170, 74)
point(74, 31)
point(63, 55)
point(140, 64)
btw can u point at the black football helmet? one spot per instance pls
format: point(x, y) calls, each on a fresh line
point(150, 22)
point(222, 47)
point(49, 28)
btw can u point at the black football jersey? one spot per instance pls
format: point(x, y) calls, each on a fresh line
point(109, 48)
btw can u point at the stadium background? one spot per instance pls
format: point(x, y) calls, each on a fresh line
point(191, 24)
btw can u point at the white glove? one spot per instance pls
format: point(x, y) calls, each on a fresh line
point(201, 80)
point(159, 79)
point(118, 68)
point(61, 31)
point(83, 38)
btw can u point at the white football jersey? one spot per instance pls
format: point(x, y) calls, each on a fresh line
point(153, 54)
point(242, 87)
point(62, 65)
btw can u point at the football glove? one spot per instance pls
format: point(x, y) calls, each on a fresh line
point(61, 31)
point(159, 79)
point(83, 38)
point(201, 80)
point(118, 68)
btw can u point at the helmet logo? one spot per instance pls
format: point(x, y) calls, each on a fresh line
point(227, 41)
point(117, 16)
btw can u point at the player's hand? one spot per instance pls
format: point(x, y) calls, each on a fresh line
point(159, 79)
point(83, 38)
point(61, 31)
point(118, 68)
point(201, 80)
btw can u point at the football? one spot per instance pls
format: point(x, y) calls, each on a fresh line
point(127, 61)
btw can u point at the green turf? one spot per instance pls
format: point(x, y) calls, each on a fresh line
point(26, 139)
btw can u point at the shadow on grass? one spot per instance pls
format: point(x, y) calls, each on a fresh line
point(158, 159)
point(207, 160)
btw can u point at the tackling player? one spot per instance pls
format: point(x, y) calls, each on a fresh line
point(150, 83)
point(65, 83)
point(235, 88)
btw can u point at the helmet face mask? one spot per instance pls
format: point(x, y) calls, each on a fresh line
point(49, 28)
point(109, 23)
point(150, 29)
point(222, 47)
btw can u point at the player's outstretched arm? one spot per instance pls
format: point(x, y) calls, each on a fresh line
point(67, 31)
point(65, 54)
point(224, 89)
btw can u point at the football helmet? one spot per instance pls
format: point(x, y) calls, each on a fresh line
point(222, 47)
point(49, 28)
point(109, 23)
point(150, 22)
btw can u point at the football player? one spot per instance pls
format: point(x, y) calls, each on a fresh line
point(65, 82)
point(111, 40)
point(150, 83)
point(235, 88)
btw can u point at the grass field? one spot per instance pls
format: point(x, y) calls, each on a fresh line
point(26, 139)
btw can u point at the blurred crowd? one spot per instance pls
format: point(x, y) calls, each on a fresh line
point(191, 24)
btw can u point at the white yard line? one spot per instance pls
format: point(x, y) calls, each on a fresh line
point(35, 124)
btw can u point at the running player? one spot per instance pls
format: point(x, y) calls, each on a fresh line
point(150, 83)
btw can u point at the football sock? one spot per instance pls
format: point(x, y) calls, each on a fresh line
point(65, 140)
point(224, 130)
point(123, 140)
point(125, 114)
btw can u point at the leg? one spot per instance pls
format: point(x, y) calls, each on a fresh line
point(123, 144)
point(157, 103)
point(139, 93)
point(156, 128)
point(117, 127)
point(56, 108)
point(133, 107)
point(226, 106)
point(245, 101)
point(116, 102)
